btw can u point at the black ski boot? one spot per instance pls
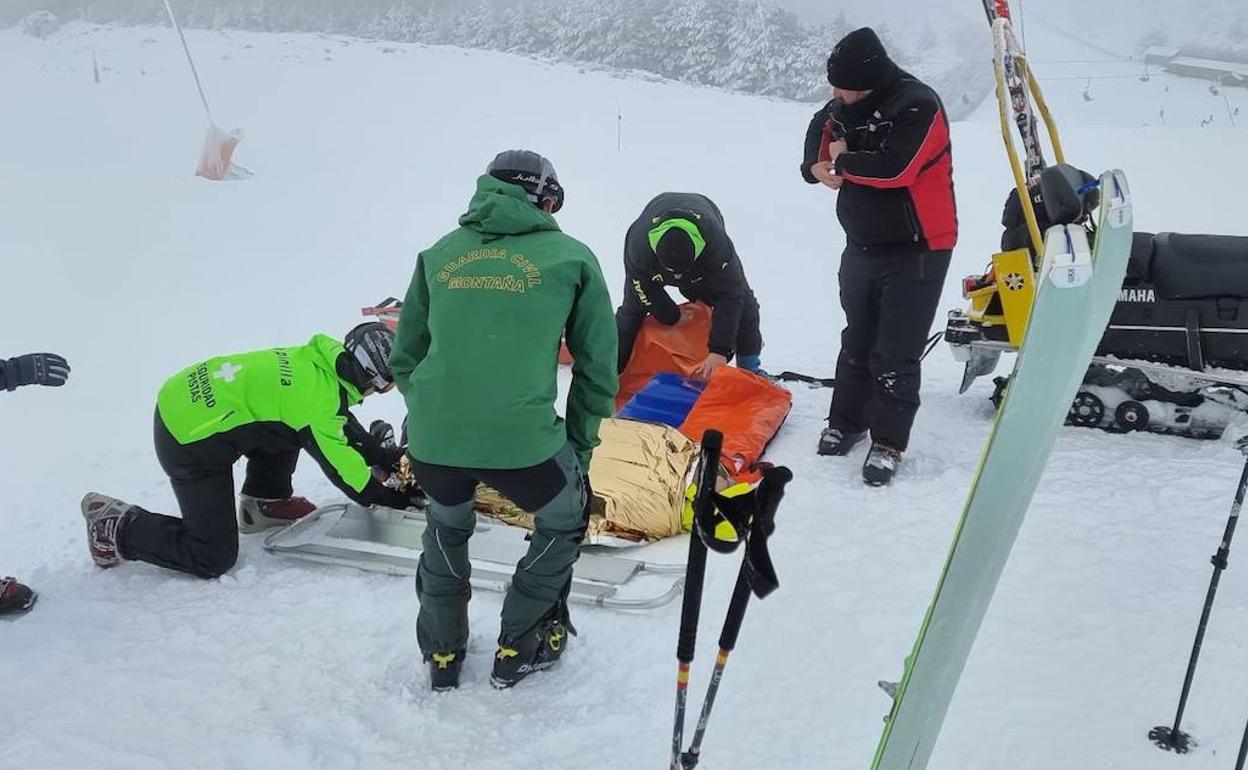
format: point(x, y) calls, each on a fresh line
point(444, 668)
point(14, 597)
point(881, 465)
point(535, 650)
point(837, 442)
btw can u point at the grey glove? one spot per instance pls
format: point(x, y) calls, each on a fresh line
point(33, 369)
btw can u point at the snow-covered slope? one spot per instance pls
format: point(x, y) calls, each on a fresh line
point(113, 254)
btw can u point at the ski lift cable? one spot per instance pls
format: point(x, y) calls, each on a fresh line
point(1022, 27)
point(194, 73)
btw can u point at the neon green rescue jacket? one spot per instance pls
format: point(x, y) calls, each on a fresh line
point(277, 400)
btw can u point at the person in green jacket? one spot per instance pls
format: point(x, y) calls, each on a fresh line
point(475, 358)
point(266, 406)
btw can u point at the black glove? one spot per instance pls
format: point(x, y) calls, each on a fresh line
point(391, 453)
point(33, 369)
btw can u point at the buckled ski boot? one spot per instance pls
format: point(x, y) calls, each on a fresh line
point(836, 442)
point(444, 668)
point(881, 465)
point(256, 514)
point(536, 650)
point(14, 597)
point(106, 518)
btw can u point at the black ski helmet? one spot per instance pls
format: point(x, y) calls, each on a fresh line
point(531, 171)
point(370, 345)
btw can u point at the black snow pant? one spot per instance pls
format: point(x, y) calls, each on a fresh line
point(632, 314)
point(204, 542)
point(553, 491)
point(890, 301)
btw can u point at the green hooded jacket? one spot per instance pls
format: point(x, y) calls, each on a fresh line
point(478, 340)
point(279, 399)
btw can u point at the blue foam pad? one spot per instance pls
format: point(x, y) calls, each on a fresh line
point(666, 399)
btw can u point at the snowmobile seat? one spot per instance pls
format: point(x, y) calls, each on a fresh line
point(1191, 266)
point(1064, 196)
point(1068, 194)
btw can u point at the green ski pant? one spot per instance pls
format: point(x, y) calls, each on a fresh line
point(553, 491)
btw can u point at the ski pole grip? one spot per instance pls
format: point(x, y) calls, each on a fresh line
point(708, 474)
point(695, 570)
point(692, 606)
point(712, 442)
point(772, 491)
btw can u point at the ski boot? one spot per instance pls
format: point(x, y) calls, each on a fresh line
point(536, 650)
point(15, 598)
point(444, 668)
point(881, 465)
point(256, 514)
point(837, 442)
point(106, 518)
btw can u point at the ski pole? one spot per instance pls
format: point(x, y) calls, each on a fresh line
point(770, 491)
point(194, 72)
point(695, 571)
point(1171, 738)
point(1243, 750)
point(727, 640)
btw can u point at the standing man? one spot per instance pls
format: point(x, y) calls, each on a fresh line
point(883, 142)
point(476, 357)
point(680, 240)
point(30, 369)
point(266, 406)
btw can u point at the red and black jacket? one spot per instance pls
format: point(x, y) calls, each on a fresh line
point(898, 191)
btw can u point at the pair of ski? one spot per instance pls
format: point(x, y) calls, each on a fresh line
point(752, 520)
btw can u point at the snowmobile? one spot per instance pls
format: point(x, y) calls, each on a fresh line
point(1174, 357)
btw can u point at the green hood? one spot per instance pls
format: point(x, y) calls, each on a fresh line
point(476, 351)
point(499, 209)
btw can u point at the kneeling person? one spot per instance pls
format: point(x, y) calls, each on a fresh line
point(680, 240)
point(266, 406)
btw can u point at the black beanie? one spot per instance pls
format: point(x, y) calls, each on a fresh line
point(860, 63)
point(675, 251)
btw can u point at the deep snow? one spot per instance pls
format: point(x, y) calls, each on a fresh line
point(114, 255)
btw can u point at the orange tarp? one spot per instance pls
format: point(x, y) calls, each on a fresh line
point(747, 409)
point(676, 349)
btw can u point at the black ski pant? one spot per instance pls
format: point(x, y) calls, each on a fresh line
point(555, 493)
point(204, 542)
point(890, 302)
point(632, 314)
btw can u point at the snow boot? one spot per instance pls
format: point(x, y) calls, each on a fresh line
point(15, 598)
point(256, 514)
point(536, 650)
point(444, 668)
point(881, 465)
point(837, 442)
point(106, 518)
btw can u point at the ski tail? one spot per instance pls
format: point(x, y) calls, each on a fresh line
point(997, 9)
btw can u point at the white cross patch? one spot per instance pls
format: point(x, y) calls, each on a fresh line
point(227, 372)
